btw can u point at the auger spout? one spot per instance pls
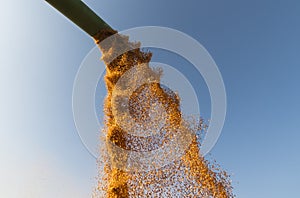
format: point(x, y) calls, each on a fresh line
point(80, 14)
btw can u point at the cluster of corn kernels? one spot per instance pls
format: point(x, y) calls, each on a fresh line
point(187, 175)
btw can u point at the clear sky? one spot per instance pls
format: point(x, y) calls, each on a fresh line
point(255, 44)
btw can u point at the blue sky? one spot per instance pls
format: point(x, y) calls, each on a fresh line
point(255, 44)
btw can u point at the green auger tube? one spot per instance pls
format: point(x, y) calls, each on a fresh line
point(81, 15)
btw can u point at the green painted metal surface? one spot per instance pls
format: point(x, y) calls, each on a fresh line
point(81, 15)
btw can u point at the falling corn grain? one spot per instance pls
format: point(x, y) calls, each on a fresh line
point(190, 175)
